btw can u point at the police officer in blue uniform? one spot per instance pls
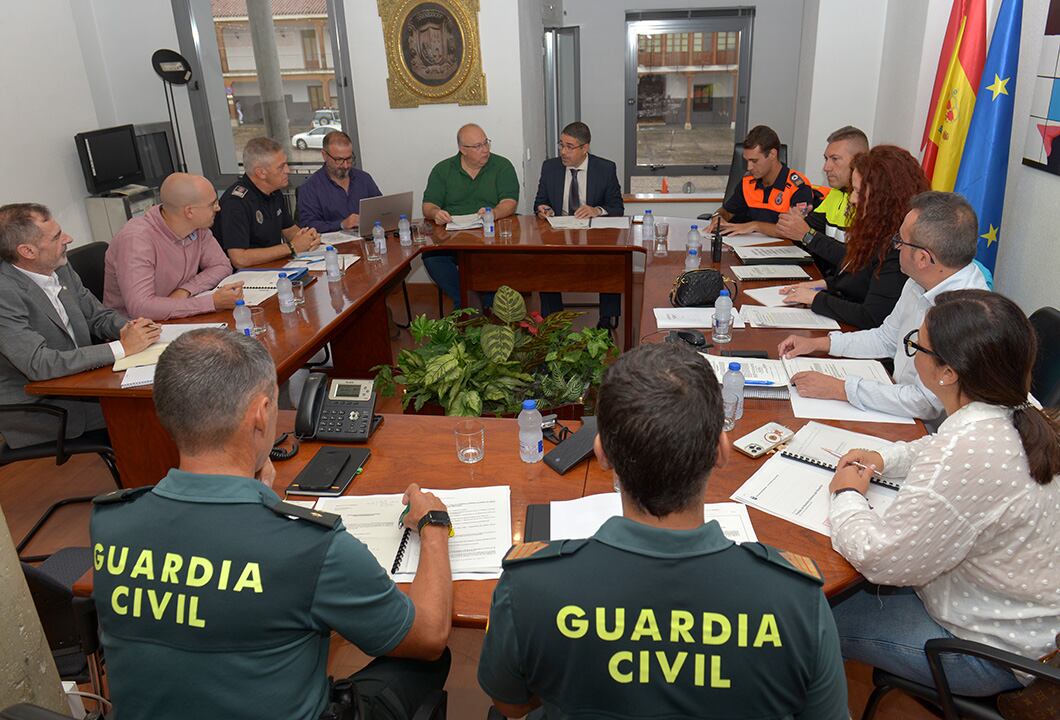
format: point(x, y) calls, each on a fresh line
point(658, 614)
point(218, 600)
point(254, 225)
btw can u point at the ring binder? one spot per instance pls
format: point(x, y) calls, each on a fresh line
point(823, 464)
point(400, 555)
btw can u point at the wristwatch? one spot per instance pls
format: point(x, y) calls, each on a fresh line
point(807, 238)
point(836, 494)
point(290, 246)
point(435, 517)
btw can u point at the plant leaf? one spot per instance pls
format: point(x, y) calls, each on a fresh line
point(508, 305)
point(440, 368)
point(497, 342)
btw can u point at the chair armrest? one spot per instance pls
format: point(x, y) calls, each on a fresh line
point(45, 409)
point(86, 620)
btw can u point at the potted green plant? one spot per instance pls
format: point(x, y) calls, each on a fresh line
point(472, 365)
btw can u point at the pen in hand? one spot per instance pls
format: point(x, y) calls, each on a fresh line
point(401, 520)
point(855, 463)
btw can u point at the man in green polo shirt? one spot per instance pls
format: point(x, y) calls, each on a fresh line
point(822, 232)
point(467, 183)
point(217, 600)
point(658, 614)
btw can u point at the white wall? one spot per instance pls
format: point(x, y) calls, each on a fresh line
point(400, 146)
point(774, 72)
point(1029, 255)
point(47, 100)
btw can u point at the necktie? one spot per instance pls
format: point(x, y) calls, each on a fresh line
point(574, 196)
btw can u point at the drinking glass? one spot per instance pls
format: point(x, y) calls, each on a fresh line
point(257, 320)
point(370, 251)
point(504, 228)
point(470, 441)
point(662, 231)
point(298, 289)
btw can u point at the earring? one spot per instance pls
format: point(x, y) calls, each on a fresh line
point(941, 382)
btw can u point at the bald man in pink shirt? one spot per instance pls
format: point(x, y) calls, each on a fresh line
point(159, 263)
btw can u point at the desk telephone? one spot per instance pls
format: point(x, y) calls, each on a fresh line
point(340, 410)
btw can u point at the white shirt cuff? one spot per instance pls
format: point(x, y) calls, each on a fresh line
point(118, 350)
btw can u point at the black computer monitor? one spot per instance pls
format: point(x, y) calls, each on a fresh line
point(109, 158)
point(155, 143)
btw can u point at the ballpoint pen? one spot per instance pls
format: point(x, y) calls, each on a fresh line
point(758, 382)
point(855, 463)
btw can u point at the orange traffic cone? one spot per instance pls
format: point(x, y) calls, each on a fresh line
point(665, 186)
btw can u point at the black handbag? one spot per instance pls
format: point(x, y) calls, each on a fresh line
point(697, 288)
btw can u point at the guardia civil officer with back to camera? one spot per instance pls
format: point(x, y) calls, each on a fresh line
point(217, 600)
point(659, 615)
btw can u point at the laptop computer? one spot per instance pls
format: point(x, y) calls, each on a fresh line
point(387, 209)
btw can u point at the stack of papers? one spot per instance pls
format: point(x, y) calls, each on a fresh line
point(819, 409)
point(569, 222)
point(150, 355)
point(318, 263)
point(482, 523)
point(762, 255)
point(581, 518)
point(763, 378)
point(747, 240)
point(797, 491)
point(690, 317)
point(786, 317)
point(769, 272)
point(338, 237)
point(464, 222)
point(768, 296)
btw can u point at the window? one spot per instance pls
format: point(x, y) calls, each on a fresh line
point(686, 118)
point(233, 103)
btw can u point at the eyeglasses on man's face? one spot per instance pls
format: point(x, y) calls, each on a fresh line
point(346, 160)
point(912, 347)
point(570, 148)
point(478, 146)
point(897, 242)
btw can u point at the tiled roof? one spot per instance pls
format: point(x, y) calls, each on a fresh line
point(238, 8)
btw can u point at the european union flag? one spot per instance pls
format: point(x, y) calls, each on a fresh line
point(984, 165)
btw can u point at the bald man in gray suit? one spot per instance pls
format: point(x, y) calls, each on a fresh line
point(51, 326)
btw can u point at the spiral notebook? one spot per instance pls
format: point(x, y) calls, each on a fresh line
point(808, 446)
point(482, 523)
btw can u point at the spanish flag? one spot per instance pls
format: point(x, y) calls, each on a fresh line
point(953, 97)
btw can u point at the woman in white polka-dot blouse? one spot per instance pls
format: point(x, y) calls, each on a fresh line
point(971, 545)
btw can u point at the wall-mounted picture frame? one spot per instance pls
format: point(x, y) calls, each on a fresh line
point(432, 52)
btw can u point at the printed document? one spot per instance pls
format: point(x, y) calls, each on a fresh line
point(769, 272)
point(769, 296)
point(337, 237)
point(756, 371)
point(772, 252)
point(319, 263)
point(786, 317)
point(464, 222)
point(581, 518)
point(691, 317)
point(568, 222)
point(747, 240)
point(150, 355)
point(482, 523)
point(816, 408)
point(621, 222)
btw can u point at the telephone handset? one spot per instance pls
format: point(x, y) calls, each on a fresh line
point(339, 410)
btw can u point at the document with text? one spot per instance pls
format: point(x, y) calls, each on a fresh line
point(464, 222)
point(788, 252)
point(151, 354)
point(691, 318)
point(769, 272)
point(842, 368)
point(786, 317)
point(568, 222)
point(746, 240)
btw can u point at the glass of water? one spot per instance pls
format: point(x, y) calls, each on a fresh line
point(662, 231)
point(470, 440)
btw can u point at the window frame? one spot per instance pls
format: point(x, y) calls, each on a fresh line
point(197, 40)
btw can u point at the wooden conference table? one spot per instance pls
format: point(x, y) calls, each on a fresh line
point(352, 316)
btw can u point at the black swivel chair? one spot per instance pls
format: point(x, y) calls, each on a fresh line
point(88, 261)
point(939, 698)
point(1045, 379)
point(737, 171)
point(62, 449)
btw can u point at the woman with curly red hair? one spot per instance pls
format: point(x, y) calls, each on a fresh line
point(868, 282)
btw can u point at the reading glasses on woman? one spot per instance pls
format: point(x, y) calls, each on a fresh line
point(912, 347)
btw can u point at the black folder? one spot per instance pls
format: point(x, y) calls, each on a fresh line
point(538, 523)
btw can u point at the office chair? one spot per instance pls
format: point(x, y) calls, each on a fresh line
point(940, 698)
point(1045, 378)
point(25, 711)
point(70, 623)
point(62, 449)
point(87, 261)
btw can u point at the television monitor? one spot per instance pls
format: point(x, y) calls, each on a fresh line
point(155, 143)
point(109, 158)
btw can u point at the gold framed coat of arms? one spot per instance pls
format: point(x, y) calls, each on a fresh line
point(432, 52)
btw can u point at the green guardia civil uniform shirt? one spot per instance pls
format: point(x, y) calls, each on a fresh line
point(216, 599)
point(452, 189)
point(642, 622)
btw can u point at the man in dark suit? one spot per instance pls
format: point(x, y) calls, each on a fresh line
point(585, 186)
point(51, 326)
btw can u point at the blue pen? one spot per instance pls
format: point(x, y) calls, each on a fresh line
point(758, 382)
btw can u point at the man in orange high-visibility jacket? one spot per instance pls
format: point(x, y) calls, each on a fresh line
point(769, 189)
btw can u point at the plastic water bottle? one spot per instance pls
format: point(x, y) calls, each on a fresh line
point(732, 395)
point(693, 249)
point(647, 228)
point(241, 313)
point(285, 293)
point(405, 231)
point(379, 238)
point(331, 263)
point(722, 318)
point(531, 440)
point(487, 228)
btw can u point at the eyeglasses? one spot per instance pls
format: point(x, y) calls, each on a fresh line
point(897, 242)
point(215, 205)
point(340, 160)
point(912, 347)
point(565, 146)
point(479, 146)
